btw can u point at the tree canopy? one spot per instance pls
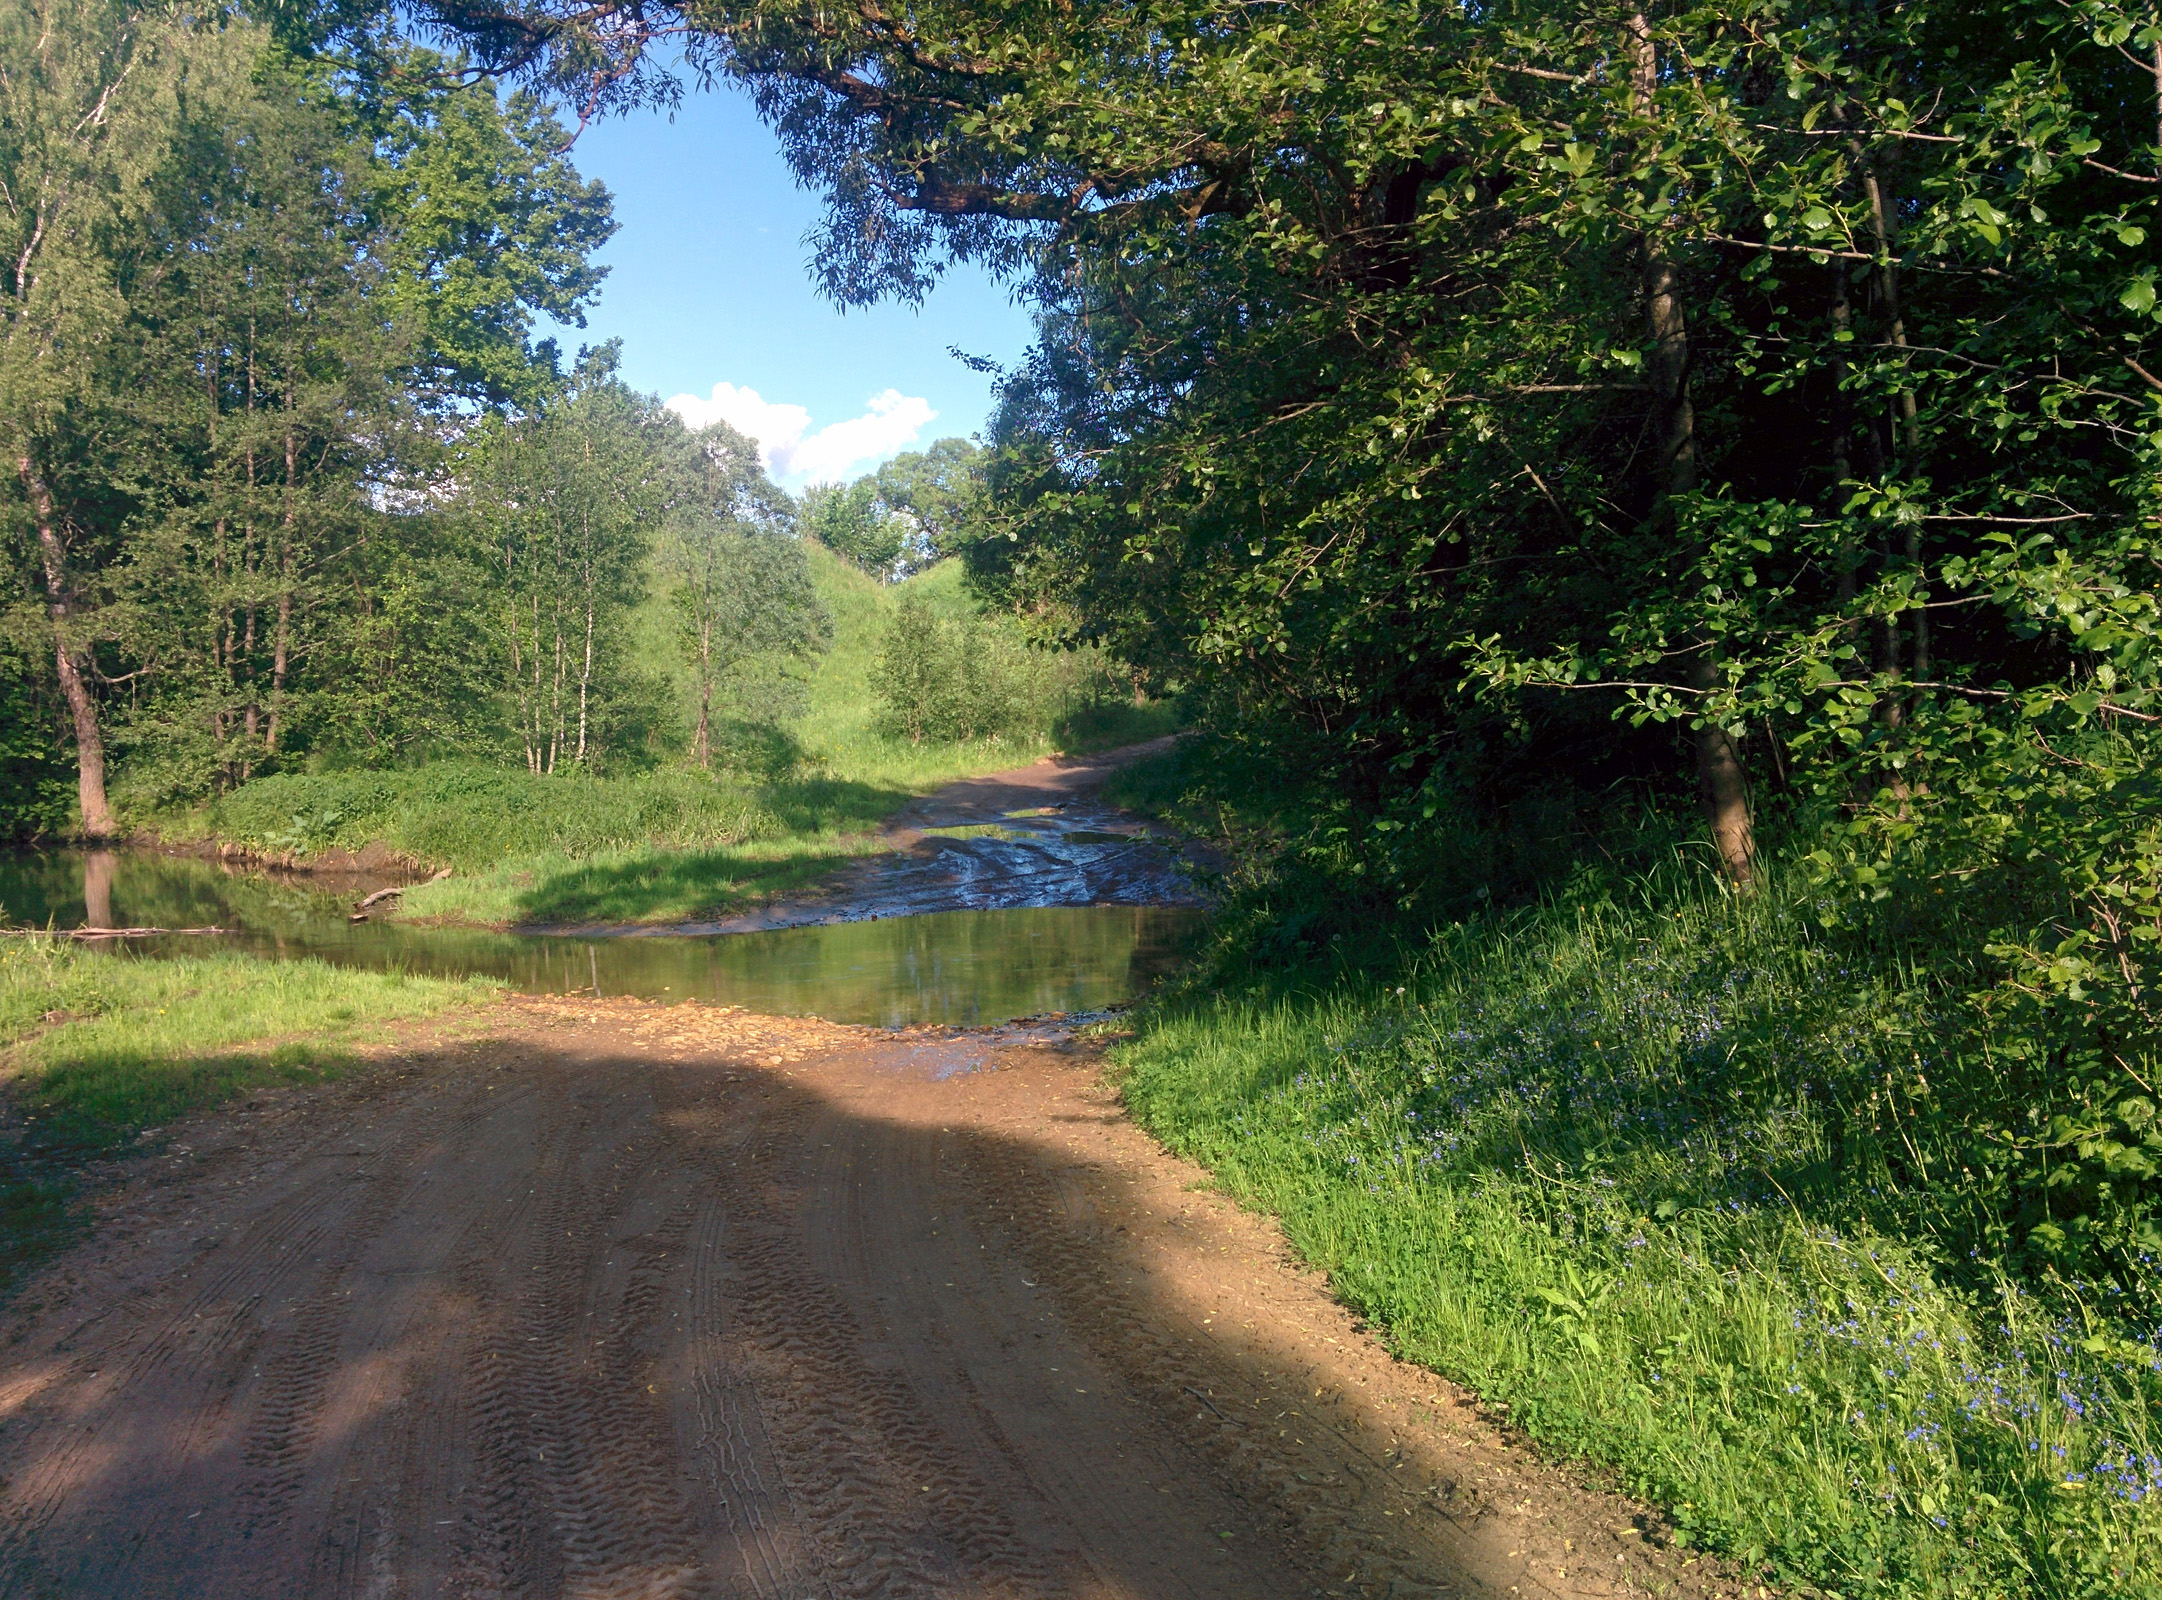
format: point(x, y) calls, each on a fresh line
point(1755, 400)
point(290, 477)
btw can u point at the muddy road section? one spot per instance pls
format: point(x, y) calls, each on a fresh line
point(1033, 836)
point(629, 1301)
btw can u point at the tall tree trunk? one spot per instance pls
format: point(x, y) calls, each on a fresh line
point(1843, 430)
point(585, 674)
point(74, 688)
point(702, 745)
point(1722, 784)
point(1884, 224)
point(282, 638)
point(555, 706)
point(531, 689)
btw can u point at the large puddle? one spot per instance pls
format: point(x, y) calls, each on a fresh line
point(966, 968)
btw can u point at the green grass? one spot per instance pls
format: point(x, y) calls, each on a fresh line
point(1582, 1162)
point(97, 1046)
point(654, 883)
point(840, 731)
point(659, 846)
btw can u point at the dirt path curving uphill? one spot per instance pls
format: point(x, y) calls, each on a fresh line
point(626, 1300)
point(1030, 836)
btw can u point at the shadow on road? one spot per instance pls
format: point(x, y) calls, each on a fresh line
point(651, 1301)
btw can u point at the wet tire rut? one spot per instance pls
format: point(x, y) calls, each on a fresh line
point(626, 1303)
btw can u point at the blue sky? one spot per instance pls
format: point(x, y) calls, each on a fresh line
point(707, 286)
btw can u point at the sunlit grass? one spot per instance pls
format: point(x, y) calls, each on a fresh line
point(96, 1045)
point(1581, 1162)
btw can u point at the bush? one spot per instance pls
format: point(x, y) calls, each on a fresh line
point(950, 678)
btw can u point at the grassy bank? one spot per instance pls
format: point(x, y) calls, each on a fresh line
point(659, 845)
point(1611, 1166)
point(96, 1045)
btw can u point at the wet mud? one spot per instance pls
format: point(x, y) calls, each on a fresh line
point(1037, 836)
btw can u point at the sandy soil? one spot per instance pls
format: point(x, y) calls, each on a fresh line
point(623, 1300)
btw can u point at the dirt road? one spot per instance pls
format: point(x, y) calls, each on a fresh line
point(623, 1300)
point(1037, 835)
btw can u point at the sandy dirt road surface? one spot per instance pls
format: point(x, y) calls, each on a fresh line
point(613, 1300)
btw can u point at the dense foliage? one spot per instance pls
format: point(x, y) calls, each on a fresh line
point(1478, 404)
point(913, 512)
point(291, 480)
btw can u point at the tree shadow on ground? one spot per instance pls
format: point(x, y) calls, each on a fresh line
point(676, 885)
point(571, 1317)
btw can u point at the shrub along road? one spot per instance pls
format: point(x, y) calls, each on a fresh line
point(626, 1300)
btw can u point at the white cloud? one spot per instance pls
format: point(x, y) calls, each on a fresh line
point(787, 446)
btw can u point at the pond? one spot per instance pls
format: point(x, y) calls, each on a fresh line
point(963, 968)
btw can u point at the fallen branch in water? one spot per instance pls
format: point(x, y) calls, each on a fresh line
point(385, 894)
point(360, 912)
point(106, 933)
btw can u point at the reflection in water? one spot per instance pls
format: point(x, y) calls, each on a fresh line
point(952, 967)
point(98, 868)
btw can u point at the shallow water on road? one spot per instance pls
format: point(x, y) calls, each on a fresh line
point(965, 968)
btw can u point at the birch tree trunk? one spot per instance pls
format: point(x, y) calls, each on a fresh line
point(585, 675)
point(702, 745)
point(281, 641)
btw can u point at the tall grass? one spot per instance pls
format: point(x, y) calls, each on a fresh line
point(1600, 1163)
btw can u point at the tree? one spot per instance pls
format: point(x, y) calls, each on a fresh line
point(851, 522)
point(249, 293)
point(568, 498)
point(936, 493)
point(267, 390)
point(485, 223)
point(914, 676)
point(742, 584)
point(88, 107)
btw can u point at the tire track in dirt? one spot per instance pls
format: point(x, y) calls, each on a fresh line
point(1049, 1224)
point(751, 1522)
point(192, 1353)
point(859, 1454)
point(634, 1304)
point(1044, 1417)
point(396, 1484)
point(600, 1439)
point(500, 1544)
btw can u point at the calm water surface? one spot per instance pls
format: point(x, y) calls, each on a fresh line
point(957, 967)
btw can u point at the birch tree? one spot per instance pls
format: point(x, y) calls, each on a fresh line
point(569, 497)
point(742, 583)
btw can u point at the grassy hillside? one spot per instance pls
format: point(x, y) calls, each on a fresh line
point(1684, 1181)
point(666, 844)
point(840, 731)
